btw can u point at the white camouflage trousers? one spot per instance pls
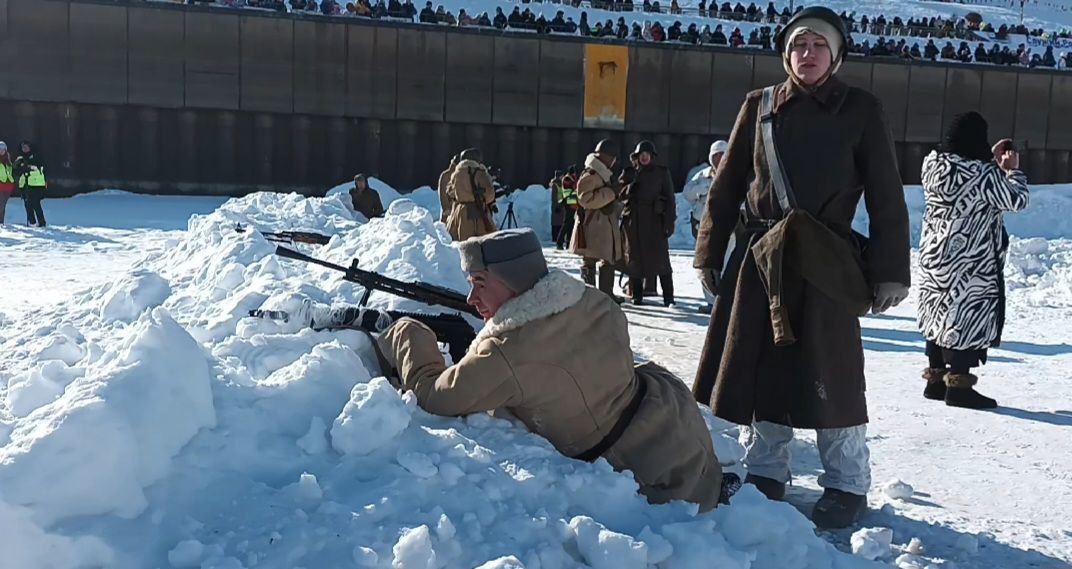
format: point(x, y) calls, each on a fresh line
point(843, 452)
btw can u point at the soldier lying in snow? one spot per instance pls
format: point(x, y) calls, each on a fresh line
point(556, 354)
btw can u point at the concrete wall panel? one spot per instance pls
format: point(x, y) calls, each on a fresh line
point(767, 70)
point(212, 62)
point(856, 73)
point(998, 102)
point(371, 80)
point(1060, 134)
point(731, 80)
point(319, 68)
point(561, 84)
point(38, 50)
point(99, 53)
point(647, 104)
point(890, 84)
point(690, 91)
point(963, 93)
point(267, 64)
point(1032, 100)
point(926, 96)
point(468, 78)
point(515, 93)
point(155, 77)
point(421, 63)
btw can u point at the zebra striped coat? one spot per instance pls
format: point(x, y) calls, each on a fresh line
point(962, 249)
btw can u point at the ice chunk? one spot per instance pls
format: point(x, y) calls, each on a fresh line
point(414, 550)
point(186, 554)
point(899, 490)
point(315, 439)
point(307, 490)
point(128, 297)
point(373, 417)
point(605, 549)
point(968, 543)
point(872, 543)
point(417, 463)
point(365, 557)
point(508, 562)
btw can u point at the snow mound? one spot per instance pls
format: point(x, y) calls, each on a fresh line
point(113, 431)
point(195, 435)
point(1041, 270)
point(128, 297)
point(373, 417)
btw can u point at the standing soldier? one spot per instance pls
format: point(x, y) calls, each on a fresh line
point(696, 189)
point(597, 236)
point(648, 221)
point(365, 199)
point(569, 204)
point(830, 144)
point(445, 202)
point(30, 177)
point(696, 194)
point(472, 193)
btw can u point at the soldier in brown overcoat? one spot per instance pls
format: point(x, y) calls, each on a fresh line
point(648, 222)
point(365, 199)
point(472, 193)
point(597, 234)
point(445, 203)
point(834, 146)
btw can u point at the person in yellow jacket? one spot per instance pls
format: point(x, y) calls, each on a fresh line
point(30, 178)
point(7, 179)
point(472, 193)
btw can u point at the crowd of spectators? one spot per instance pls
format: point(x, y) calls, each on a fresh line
point(891, 43)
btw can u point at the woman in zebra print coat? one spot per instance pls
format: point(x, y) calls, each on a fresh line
point(967, 186)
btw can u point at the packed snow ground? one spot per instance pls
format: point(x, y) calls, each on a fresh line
point(144, 422)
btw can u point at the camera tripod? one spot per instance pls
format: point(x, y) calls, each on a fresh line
point(509, 219)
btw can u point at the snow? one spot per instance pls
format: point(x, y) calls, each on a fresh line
point(373, 417)
point(872, 543)
point(184, 433)
point(898, 490)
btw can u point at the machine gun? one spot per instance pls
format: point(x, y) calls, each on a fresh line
point(451, 329)
point(418, 291)
point(290, 237)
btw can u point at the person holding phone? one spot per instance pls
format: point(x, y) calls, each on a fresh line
point(968, 185)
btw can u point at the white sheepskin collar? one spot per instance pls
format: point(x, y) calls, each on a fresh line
point(552, 294)
point(595, 164)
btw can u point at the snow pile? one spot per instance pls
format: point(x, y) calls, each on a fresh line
point(1041, 271)
point(171, 429)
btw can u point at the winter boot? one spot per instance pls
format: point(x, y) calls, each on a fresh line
point(961, 393)
point(731, 483)
point(588, 275)
point(770, 487)
point(667, 282)
point(606, 282)
point(636, 290)
point(935, 383)
point(837, 509)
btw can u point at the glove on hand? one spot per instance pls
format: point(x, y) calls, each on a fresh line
point(372, 320)
point(888, 295)
point(710, 279)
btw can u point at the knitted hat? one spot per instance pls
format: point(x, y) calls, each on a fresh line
point(967, 137)
point(817, 20)
point(513, 255)
point(718, 147)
